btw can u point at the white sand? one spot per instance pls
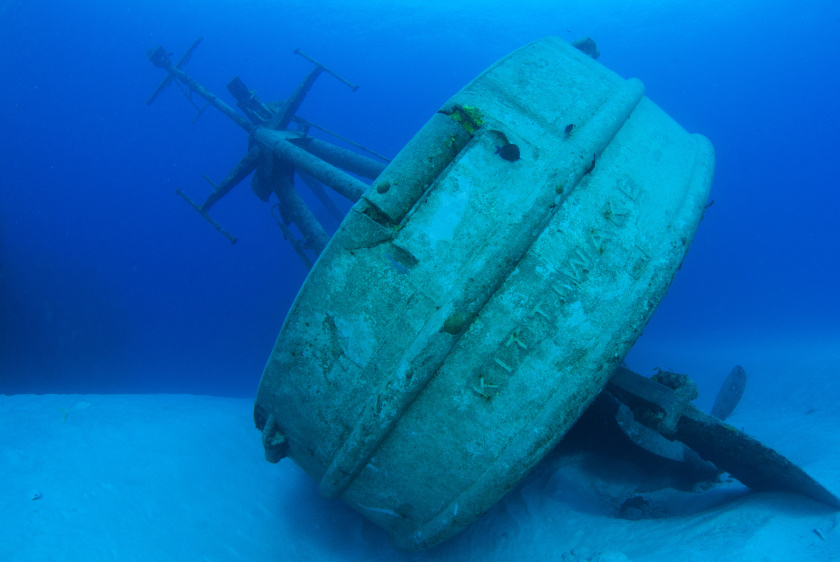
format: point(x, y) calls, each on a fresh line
point(164, 477)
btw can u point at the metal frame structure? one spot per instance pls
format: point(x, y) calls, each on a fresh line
point(279, 146)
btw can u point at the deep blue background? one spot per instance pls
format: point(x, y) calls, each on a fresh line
point(111, 283)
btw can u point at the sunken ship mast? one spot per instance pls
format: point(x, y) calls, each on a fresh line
point(279, 146)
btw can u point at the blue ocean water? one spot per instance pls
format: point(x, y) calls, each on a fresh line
point(110, 283)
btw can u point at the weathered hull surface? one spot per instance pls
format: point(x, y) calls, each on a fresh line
point(470, 307)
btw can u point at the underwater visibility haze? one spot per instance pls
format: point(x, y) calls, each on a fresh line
point(111, 284)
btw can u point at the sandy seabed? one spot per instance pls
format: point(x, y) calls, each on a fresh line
point(180, 477)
